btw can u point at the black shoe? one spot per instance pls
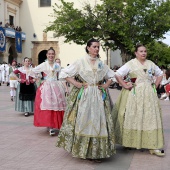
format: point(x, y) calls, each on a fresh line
point(7, 84)
point(12, 98)
point(26, 114)
point(159, 96)
point(0, 84)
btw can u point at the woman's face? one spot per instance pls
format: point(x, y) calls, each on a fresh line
point(94, 49)
point(50, 55)
point(14, 63)
point(26, 62)
point(58, 61)
point(141, 53)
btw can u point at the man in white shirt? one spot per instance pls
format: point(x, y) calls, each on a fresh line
point(4, 71)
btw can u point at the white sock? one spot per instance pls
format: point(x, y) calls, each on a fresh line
point(14, 93)
point(11, 93)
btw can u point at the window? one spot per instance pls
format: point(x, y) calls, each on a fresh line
point(11, 20)
point(45, 3)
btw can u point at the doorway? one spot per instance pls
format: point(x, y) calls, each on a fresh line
point(12, 54)
point(42, 56)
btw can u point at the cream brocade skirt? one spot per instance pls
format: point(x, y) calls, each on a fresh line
point(138, 119)
point(87, 139)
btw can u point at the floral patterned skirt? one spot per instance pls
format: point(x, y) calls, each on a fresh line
point(92, 147)
point(138, 120)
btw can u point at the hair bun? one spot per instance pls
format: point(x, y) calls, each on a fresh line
point(51, 48)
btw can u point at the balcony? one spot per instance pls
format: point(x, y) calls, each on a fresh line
point(11, 33)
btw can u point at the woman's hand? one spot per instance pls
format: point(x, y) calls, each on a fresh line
point(128, 86)
point(85, 85)
point(80, 85)
point(67, 91)
point(34, 80)
point(76, 83)
point(21, 80)
point(104, 86)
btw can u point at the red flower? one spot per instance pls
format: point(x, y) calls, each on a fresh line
point(133, 80)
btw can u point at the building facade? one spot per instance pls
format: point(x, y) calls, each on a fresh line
point(37, 15)
point(9, 19)
point(34, 16)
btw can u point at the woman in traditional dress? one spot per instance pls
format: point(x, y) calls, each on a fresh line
point(137, 113)
point(58, 61)
point(26, 89)
point(50, 100)
point(87, 129)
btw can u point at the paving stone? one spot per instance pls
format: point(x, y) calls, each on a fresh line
point(25, 147)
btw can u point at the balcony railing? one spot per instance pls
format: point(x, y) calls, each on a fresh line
point(11, 33)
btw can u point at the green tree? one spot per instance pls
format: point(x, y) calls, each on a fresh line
point(119, 24)
point(159, 53)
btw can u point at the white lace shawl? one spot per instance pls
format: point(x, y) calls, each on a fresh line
point(83, 68)
point(46, 68)
point(27, 72)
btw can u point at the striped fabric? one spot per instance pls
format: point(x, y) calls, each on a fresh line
point(23, 106)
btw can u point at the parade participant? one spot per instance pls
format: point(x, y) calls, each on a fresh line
point(12, 79)
point(26, 89)
point(58, 61)
point(4, 71)
point(31, 63)
point(50, 100)
point(137, 113)
point(87, 129)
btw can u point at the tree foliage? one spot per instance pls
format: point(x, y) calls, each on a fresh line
point(159, 53)
point(120, 24)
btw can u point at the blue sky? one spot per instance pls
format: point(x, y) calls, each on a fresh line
point(167, 40)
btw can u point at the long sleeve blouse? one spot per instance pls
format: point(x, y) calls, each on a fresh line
point(23, 77)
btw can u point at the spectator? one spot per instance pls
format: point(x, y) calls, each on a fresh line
point(20, 29)
point(7, 25)
point(161, 88)
point(167, 90)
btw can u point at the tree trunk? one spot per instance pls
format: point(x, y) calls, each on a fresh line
point(125, 56)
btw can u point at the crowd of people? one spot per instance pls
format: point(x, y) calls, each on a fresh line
point(86, 121)
point(7, 25)
point(163, 89)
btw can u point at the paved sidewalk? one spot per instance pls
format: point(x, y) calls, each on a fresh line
point(25, 147)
